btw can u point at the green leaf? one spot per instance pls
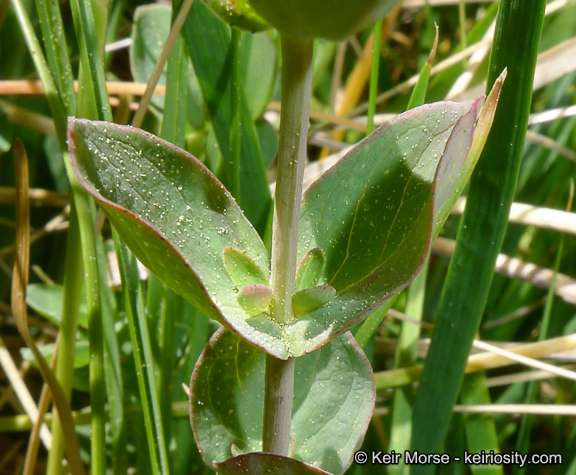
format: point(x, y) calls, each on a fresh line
point(6, 132)
point(371, 218)
point(255, 299)
point(175, 217)
point(239, 14)
point(208, 41)
point(372, 214)
point(453, 173)
point(268, 139)
point(81, 353)
point(150, 30)
point(333, 402)
point(258, 60)
point(242, 269)
point(332, 20)
point(260, 463)
point(308, 300)
point(309, 272)
point(47, 301)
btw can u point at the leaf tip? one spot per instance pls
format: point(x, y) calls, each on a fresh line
point(486, 115)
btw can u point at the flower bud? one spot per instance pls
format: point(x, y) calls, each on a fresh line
point(329, 19)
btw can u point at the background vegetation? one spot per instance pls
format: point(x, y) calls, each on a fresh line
point(81, 308)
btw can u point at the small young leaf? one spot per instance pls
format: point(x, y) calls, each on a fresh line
point(308, 300)
point(242, 269)
point(255, 299)
point(309, 272)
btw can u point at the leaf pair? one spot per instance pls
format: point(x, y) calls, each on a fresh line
point(365, 229)
point(334, 397)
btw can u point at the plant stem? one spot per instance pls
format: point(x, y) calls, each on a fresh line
point(235, 112)
point(462, 21)
point(296, 82)
point(374, 72)
point(296, 85)
point(279, 395)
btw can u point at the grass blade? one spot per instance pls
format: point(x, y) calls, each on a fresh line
point(70, 302)
point(480, 428)
point(484, 221)
point(19, 283)
point(59, 116)
point(58, 112)
point(113, 371)
point(92, 101)
point(91, 57)
point(209, 42)
point(418, 96)
point(531, 393)
point(57, 52)
point(143, 360)
point(403, 400)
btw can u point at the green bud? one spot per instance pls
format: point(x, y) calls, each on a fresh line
point(309, 272)
point(329, 19)
point(254, 299)
point(238, 13)
point(242, 269)
point(308, 300)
